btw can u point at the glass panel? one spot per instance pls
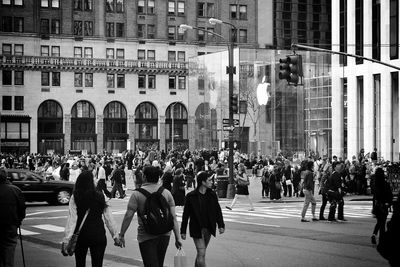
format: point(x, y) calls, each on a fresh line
point(3, 130)
point(13, 130)
point(25, 130)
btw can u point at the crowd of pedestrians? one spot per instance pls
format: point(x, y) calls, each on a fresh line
point(189, 179)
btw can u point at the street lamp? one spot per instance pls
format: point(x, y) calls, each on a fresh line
point(172, 121)
point(231, 70)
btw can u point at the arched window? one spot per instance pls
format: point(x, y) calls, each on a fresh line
point(50, 128)
point(83, 109)
point(176, 127)
point(83, 125)
point(50, 109)
point(115, 127)
point(146, 110)
point(115, 110)
point(146, 126)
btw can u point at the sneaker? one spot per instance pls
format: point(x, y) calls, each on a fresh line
point(304, 220)
point(322, 218)
point(373, 239)
point(315, 220)
point(342, 220)
point(252, 209)
point(229, 208)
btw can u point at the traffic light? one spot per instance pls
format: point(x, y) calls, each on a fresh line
point(291, 69)
point(296, 69)
point(284, 70)
point(234, 103)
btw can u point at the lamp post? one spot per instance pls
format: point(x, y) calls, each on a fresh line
point(231, 70)
point(172, 126)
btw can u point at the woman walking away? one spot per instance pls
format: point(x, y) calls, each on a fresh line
point(382, 201)
point(204, 212)
point(178, 188)
point(242, 187)
point(86, 199)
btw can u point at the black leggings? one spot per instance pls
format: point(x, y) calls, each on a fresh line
point(97, 249)
point(380, 224)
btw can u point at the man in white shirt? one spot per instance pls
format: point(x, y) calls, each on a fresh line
point(101, 179)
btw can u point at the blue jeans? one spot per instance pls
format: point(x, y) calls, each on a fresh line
point(309, 197)
point(153, 251)
point(8, 242)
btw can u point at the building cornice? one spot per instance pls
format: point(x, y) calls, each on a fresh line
point(38, 63)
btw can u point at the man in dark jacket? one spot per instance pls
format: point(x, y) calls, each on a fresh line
point(203, 213)
point(12, 207)
point(335, 197)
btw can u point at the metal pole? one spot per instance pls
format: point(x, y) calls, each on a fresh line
point(231, 72)
point(172, 134)
point(345, 54)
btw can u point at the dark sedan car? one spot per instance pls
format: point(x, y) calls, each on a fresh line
point(36, 188)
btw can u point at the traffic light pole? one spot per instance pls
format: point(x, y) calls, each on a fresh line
point(231, 71)
point(344, 54)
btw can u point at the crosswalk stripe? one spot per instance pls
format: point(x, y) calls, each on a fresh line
point(26, 232)
point(49, 227)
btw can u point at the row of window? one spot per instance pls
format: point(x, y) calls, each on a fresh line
point(18, 102)
point(87, 52)
point(204, 9)
point(86, 80)
point(85, 28)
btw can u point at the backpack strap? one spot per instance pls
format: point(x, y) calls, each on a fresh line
point(160, 190)
point(143, 191)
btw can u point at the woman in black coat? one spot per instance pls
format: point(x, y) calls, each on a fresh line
point(178, 188)
point(204, 212)
point(382, 201)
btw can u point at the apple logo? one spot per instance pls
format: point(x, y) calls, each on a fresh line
point(262, 92)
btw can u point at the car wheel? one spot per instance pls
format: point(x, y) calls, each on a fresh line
point(63, 197)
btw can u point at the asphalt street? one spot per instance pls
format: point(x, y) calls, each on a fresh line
point(272, 235)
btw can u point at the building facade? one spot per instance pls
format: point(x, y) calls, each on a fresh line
point(108, 75)
point(365, 95)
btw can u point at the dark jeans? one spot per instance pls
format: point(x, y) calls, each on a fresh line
point(8, 242)
point(153, 251)
point(117, 186)
point(323, 205)
point(101, 186)
point(335, 201)
point(97, 246)
point(381, 216)
point(265, 189)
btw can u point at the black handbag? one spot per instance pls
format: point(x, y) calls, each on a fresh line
point(71, 245)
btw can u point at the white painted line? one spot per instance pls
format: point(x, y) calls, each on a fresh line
point(259, 224)
point(252, 213)
point(49, 227)
point(26, 232)
point(46, 218)
point(44, 212)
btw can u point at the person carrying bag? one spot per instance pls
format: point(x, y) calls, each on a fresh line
point(68, 249)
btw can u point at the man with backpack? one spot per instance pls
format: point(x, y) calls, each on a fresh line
point(156, 218)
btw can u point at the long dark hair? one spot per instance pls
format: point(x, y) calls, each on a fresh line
point(85, 194)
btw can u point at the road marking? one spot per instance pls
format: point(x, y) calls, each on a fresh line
point(49, 227)
point(46, 218)
point(44, 212)
point(26, 232)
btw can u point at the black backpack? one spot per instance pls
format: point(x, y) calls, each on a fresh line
point(156, 217)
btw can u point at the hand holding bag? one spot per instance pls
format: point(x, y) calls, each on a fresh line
point(71, 246)
point(180, 259)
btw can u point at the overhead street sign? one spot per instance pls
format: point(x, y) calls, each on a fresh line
point(225, 122)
